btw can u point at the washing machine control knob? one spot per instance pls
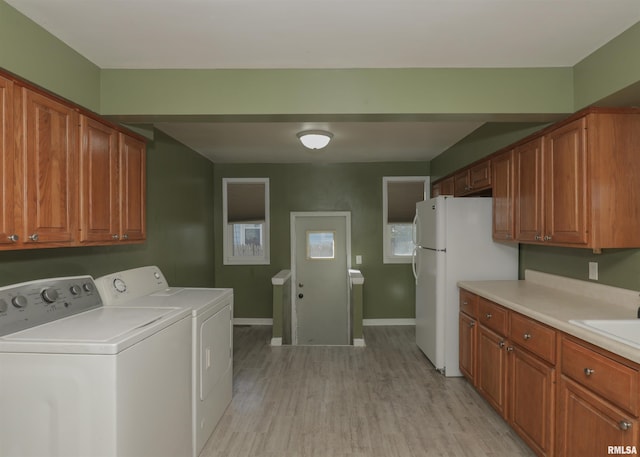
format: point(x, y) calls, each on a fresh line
point(75, 289)
point(88, 287)
point(19, 301)
point(49, 295)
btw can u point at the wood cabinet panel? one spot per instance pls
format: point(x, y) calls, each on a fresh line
point(588, 425)
point(491, 374)
point(503, 182)
point(492, 316)
point(531, 400)
point(480, 176)
point(132, 189)
point(468, 303)
point(8, 234)
point(99, 205)
point(533, 336)
point(467, 348)
point(565, 184)
point(528, 205)
point(447, 186)
point(614, 381)
point(49, 148)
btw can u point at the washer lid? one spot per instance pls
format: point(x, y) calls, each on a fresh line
point(107, 330)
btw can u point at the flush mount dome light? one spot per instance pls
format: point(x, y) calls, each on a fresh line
point(315, 139)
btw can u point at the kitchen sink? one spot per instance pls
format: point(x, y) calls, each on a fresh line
point(626, 331)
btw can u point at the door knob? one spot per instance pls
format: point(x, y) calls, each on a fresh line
point(300, 295)
point(300, 284)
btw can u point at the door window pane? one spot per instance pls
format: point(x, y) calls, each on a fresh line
point(320, 245)
point(401, 237)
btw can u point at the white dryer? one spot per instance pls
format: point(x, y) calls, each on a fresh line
point(78, 379)
point(211, 336)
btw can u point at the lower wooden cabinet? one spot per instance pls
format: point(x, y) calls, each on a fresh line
point(589, 425)
point(531, 400)
point(491, 379)
point(564, 397)
point(467, 355)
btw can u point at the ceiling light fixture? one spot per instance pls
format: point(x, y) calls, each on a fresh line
point(315, 139)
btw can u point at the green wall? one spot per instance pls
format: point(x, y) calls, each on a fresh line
point(179, 228)
point(31, 52)
point(355, 187)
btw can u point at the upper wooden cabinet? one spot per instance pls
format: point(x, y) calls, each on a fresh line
point(8, 232)
point(47, 150)
point(503, 171)
point(132, 189)
point(68, 177)
point(99, 204)
point(473, 180)
point(574, 182)
point(442, 187)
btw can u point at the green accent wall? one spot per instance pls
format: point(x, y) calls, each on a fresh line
point(355, 187)
point(612, 68)
point(31, 52)
point(417, 91)
point(485, 140)
point(179, 228)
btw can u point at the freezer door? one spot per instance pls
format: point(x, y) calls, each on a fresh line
point(430, 223)
point(430, 299)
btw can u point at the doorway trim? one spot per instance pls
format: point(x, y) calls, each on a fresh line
point(294, 215)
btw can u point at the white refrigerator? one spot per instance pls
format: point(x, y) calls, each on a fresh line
point(453, 242)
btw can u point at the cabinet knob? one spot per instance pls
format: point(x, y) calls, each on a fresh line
point(472, 324)
point(527, 336)
point(125, 237)
point(34, 237)
point(624, 425)
point(115, 236)
point(510, 349)
point(588, 371)
point(538, 238)
point(547, 238)
point(501, 344)
point(13, 238)
point(488, 315)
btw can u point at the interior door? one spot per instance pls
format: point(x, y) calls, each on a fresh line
point(321, 282)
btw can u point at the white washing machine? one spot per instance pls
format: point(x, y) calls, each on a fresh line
point(78, 379)
point(211, 337)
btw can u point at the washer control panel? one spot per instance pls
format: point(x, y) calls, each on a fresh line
point(32, 303)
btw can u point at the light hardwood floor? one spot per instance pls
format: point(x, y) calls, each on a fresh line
point(382, 400)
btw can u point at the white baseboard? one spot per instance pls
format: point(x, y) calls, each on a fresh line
point(358, 342)
point(276, 341)
point(375, 322)
point(252, 321)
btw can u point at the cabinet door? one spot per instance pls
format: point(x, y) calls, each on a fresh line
point(480, 176)
point(461, 183)
point(531, 400)
point(528, 177)
point(447, 186)
point(491, 374)
point(132, 189)
point(565, 184)
point(467, 347)
point(589, 425)
point(49, 145)
point(7, 179)
point(99, 208)
point(435, 190)
point(503, 197)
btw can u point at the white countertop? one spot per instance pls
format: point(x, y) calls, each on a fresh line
point(555, 301)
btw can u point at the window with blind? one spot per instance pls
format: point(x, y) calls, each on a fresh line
point(245, 207)
point(399, 198)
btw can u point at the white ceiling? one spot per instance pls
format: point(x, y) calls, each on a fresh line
point(330, 34)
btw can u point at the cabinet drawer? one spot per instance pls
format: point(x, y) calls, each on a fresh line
point(468, 303)
point(612, 380)
point(533, 336)
point(492, 316)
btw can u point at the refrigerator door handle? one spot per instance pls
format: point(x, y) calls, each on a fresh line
point(414, 265)
point(414, 233)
